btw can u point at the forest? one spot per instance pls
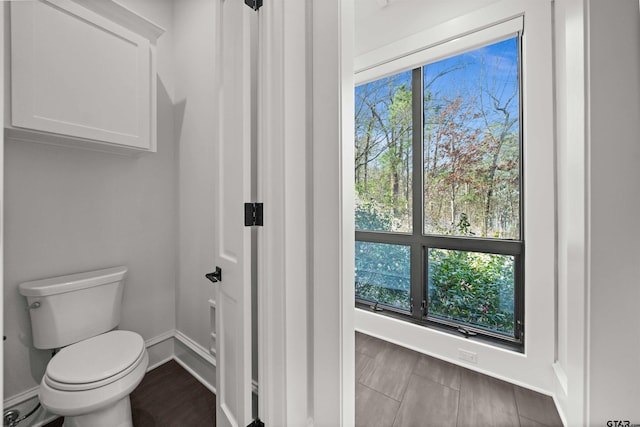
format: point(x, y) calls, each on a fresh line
point(470, 180)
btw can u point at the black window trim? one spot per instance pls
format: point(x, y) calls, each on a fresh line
point(420, 243)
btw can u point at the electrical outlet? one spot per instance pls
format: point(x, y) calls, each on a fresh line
point(469, 356)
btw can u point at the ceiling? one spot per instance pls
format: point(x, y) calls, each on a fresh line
point(377, 25)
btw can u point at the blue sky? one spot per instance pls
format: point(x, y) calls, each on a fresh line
point(492, 69)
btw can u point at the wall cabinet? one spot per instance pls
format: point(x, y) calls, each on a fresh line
point(83, 74)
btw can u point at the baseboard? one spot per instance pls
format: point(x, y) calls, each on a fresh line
point(196, 375)
point(561, 387)
point(160, 338)
point(20, 398)
point(24, 403)
point(160, 349)
point(195, 347)
point(561, 376)
point(196, 360)
point(560, 410)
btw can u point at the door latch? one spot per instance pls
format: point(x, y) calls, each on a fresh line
point(216, 276)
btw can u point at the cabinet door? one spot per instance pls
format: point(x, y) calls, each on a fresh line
point(76, 73)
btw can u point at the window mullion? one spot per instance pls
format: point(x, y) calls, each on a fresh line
point(416, 278)
point(418, 270)
point(474, 244)
point(520, 281)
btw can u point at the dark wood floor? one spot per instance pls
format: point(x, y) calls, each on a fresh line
point(397, 387)
point(169, 396)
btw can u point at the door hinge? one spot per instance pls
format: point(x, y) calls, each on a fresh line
point(256, 423)
point(253, 214)
point(253, 4)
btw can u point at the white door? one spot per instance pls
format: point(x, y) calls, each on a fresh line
point(235, 123)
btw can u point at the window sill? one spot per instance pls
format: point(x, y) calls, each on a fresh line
point(517, 347)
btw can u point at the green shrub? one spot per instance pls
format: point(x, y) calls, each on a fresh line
point(471, 287)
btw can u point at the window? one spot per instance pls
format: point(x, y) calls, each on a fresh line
point(438, 175)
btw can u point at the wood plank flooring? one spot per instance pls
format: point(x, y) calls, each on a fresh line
point(397, 387)
point(169, 396)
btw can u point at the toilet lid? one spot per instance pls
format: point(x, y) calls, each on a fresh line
point(96, 361)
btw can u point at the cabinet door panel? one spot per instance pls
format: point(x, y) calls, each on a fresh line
point(76, 73)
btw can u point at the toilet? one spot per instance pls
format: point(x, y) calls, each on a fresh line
point(90, 379)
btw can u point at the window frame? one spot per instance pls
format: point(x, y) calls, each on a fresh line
point(417, 240)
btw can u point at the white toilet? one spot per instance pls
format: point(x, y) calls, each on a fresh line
point(89, 380)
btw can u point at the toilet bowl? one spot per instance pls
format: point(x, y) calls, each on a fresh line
point(89, 382)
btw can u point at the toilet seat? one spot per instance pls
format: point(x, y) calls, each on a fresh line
point(80, 403)
point(95, 362)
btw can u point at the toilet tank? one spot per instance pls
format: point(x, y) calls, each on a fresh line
point(68, 309)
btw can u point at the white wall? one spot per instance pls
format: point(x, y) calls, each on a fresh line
point(613, 88)
point(195, 39)
point(2, 95)
point(69, 210)
point(570, 80)
point(598, 69)
point(571, 157)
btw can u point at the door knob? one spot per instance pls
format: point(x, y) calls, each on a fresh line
point(216, 276)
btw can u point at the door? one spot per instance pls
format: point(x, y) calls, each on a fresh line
point(236, 46)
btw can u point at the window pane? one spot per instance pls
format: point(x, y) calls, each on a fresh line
point(383, 274)
point(472, 143)
point(473, 288)
point(383, 134)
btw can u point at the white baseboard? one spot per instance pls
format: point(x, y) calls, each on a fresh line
point(160, 338)
point(197, 376)
point(195, 347)
point(207, 360)
point(20, 398)
point(562, 387)
point(160, 349)
point(196, 360)
point(561, 376)
point(24, 403)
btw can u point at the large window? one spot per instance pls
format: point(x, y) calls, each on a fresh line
point(438, 175)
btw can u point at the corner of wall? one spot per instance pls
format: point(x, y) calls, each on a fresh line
point(196, 360)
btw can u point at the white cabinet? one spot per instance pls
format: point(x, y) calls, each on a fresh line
point(83, 74)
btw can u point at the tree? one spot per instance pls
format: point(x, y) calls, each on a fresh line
point(500, 117)
point(457, 150)
point(383, 147)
